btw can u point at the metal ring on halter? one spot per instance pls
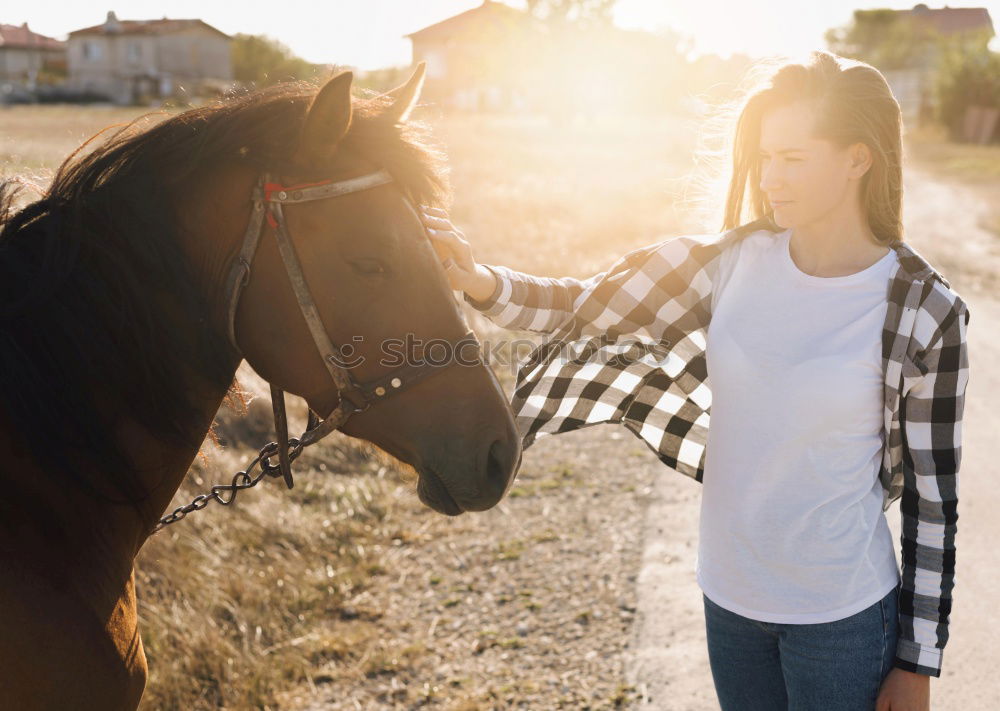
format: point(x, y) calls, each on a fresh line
point(295, 448)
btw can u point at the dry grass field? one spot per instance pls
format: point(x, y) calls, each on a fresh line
point(265, 604)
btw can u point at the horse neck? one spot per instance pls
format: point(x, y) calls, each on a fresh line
point(211, 230)
point(76, 541)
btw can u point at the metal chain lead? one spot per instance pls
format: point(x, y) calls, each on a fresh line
point(241, 480)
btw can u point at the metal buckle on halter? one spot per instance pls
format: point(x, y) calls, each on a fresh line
point(353, 394)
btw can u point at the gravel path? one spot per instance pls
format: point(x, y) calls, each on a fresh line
point(528, 605)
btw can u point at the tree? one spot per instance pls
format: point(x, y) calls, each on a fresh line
point(261, 60)
point(886, 39)
point(968, 77)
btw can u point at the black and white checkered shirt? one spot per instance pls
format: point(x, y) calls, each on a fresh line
point(627, 346)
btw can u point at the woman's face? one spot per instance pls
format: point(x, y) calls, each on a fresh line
point(806, 179)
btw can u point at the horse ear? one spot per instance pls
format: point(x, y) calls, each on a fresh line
point(405, 96)
point(328, 118)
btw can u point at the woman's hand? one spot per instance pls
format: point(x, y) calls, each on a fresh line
point(455, 254)
point(904, 690)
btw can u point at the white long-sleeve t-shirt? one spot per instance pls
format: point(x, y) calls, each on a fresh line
point(791, 527)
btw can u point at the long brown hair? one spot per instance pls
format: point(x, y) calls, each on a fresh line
point(853, 103)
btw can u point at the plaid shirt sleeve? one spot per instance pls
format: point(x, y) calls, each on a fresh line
point(661, 291)
point(933, 400)
point(631, 352)
point(532, 303)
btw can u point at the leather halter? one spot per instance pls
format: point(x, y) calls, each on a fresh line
point(267, 198)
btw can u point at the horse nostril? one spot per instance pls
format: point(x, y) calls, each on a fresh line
point(497, 464)
point(493, 477)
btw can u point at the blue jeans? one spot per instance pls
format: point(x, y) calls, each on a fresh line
point(828, 666)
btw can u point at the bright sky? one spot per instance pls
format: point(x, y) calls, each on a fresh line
point(369, 33)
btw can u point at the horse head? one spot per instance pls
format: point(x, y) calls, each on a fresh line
point(381, 296)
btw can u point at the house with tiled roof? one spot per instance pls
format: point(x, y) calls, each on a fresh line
point(472, 58)
point(26, 57)
point(498, 58)
point(952, 20)
point(134, 60)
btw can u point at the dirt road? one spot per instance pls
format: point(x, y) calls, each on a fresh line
point(669, 659)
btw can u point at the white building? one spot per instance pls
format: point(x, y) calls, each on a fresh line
point(26, 57)
point(133, 60)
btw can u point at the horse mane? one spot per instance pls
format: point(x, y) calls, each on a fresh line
point(93, 282)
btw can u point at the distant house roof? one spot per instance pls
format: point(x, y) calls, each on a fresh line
point(490, 13)
point(950, 20)
point(163, 26)
point(20, 36)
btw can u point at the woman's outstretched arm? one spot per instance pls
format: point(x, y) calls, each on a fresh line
point(509, 298)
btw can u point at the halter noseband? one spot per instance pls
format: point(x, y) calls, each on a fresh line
point(267, 198)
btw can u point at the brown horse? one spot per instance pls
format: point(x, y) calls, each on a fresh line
point(115, 356)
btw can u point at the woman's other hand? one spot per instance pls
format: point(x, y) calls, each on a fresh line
point(455, 254)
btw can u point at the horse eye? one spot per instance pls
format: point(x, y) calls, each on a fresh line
point(368, 267)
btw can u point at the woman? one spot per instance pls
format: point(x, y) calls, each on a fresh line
point(838, 367)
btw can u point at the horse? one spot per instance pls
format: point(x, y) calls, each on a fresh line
point(128, 299)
